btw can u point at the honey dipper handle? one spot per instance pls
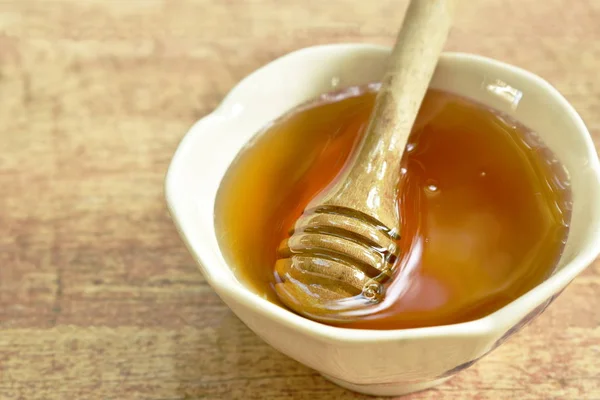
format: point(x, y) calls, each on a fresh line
point(370, 180)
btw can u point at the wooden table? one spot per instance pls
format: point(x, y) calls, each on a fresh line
point(99, 299)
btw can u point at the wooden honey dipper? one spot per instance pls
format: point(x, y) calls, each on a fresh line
point(343, 249)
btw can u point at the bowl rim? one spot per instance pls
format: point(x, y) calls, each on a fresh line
point(230, 288)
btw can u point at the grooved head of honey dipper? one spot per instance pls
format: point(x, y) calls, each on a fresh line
point(335, 263)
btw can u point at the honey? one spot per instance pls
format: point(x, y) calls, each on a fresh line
point(484, 205)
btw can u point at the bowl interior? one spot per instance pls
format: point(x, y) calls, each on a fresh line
point(206, 152)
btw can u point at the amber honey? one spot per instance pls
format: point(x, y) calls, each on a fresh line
point(484, 205)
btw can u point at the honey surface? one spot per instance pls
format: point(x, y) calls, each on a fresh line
point(484, 206)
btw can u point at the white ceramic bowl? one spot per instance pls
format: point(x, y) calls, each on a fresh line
point(377, 362)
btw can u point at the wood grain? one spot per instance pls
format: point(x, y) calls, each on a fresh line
point(98, 296)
